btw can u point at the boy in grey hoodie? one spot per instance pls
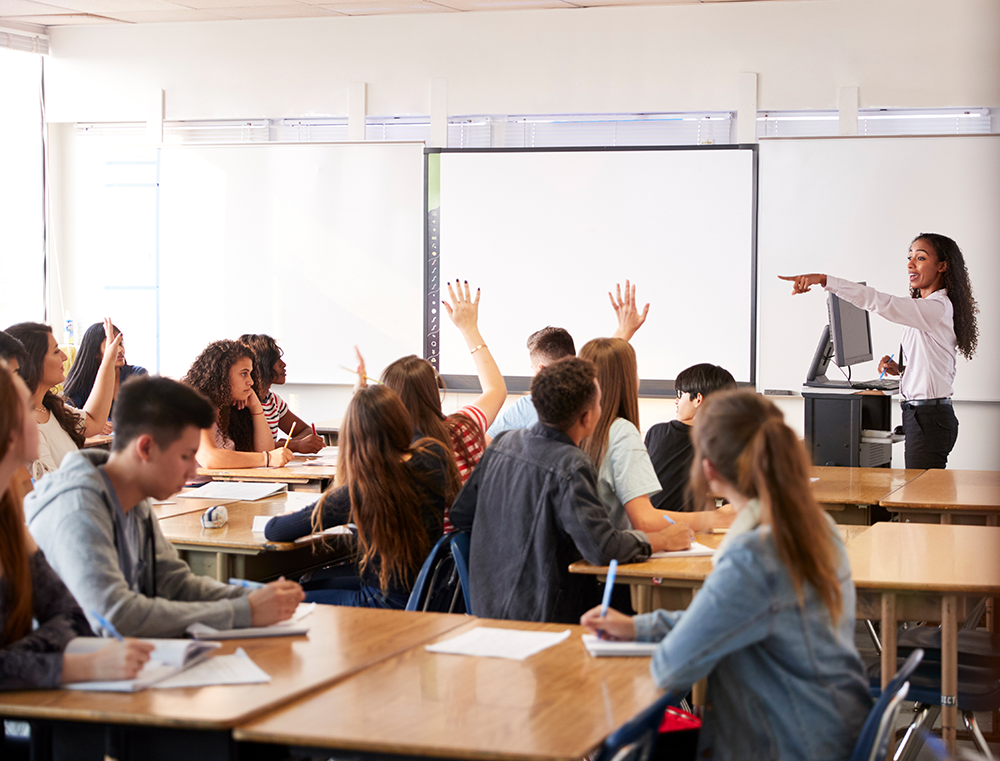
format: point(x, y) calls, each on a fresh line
point(93, 520)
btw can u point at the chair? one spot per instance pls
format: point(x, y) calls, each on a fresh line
point(634, 741)
point(460, 542)
point(437, 586)
point(874, 739)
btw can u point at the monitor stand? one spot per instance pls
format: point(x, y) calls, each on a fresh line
point(816, 377)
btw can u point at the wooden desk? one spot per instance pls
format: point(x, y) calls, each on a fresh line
point(329, 430)
point(234, 550)
point(100, 441)
point(180, 505)
point(341, 642)
point(296, 474)
point(941, 496)
point(838, 488)
point(907, 571)
point(557, 705)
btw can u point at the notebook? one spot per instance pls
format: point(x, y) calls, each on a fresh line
point(169, 657)
point(601, 647)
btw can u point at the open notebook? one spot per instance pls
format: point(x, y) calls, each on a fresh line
point(169, 657)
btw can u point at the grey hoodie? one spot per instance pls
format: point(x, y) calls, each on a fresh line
point(70, 516)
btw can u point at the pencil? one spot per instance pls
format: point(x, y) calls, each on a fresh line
point(291, 432)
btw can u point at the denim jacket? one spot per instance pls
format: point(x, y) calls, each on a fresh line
point(532, 507)
point(782, 682)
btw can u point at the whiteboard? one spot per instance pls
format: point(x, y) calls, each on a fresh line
point(317, 245)
point(850, 207)
point(547, 233)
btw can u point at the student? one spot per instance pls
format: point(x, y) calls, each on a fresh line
point(773, 626)
point(939, 320)
point(271, 372)
point(626, 475)
point(418, 385)
point(240, 436)
point(533, 508)
point(62, 428)
point(669, 444)
point(94, 521)
point(550, 344)
point(11, 351)
point(389, 486)
point(90, 355)
point(31, 654)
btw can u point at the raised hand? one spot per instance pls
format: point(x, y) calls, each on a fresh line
point(463, 309)
point(629, 317)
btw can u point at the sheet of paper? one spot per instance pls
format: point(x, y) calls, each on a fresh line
point(260, 523)
point(347, 529)
point(490, 642)
point(237, 668)
point(697, 550)
point(290, 628)
point(329, 462)
point(240, 490)
point(601, 647)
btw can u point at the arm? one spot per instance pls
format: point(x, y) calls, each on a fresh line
point(629, 318)
point(211, 456)
point(98, 404)
point(305, 440)
point(465, 315)
point(291, 526)
point(263, 441)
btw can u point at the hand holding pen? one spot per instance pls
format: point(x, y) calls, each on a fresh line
point(886, 365)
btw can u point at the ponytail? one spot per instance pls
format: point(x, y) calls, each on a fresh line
point(746, 439)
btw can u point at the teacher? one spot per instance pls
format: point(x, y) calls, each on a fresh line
point(940, 320)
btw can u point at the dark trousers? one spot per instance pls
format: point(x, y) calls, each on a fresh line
point(931, 432)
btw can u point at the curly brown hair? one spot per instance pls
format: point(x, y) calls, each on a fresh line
point(209, 373)
point(955, 281)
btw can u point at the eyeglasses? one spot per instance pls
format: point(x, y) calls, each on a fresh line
point(680, 393)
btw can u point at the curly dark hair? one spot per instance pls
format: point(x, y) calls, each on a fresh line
point(266, 353)
point(955, 280)
point(209, 373)
point(563, 390)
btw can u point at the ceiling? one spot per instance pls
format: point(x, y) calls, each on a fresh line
point(34, 15)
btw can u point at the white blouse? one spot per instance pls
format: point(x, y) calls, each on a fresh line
point(53, 444)
point(930, 348)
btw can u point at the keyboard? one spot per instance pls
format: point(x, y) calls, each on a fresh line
point(885, 384)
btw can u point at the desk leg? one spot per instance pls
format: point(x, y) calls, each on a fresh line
point(889, 650)
point(949, 671)
point(222, 567)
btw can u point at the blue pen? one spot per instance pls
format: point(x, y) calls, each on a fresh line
point(881, 375)
point(247, 584)
point(668, 519)
point(612, 570)
point(108, 626)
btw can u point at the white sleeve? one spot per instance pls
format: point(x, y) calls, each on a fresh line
point(922, 314)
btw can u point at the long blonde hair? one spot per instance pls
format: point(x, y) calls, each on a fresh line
point(745, 438)
point(618, 377)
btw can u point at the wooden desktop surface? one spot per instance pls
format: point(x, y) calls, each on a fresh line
point(556, 705)
point(294, 472)
point(858, 486)
point(341, 642)
point(945, 491)
point(185, 529)
point(180, 505)
point(100, 441)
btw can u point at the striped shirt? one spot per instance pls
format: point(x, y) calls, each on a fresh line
point(274, 408)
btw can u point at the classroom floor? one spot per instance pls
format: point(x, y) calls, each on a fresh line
point(867, 650)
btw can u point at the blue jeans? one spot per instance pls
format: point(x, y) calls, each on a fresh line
point(362, 597)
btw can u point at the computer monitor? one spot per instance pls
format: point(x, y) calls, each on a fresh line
point(846, 339)
point(851, 331)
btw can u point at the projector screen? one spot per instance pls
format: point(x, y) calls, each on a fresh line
point(547, 234)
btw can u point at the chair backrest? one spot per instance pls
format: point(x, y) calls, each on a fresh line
point(634, 741)
point(874, 738)
point(437, 587)
point(460, 543)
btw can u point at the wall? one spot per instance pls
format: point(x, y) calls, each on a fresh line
point(900, 53)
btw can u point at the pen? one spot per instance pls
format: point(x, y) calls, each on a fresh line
point(291, 432)
point(668, 519)
point(367, 377)
point(612, 570)
point(314, 429)
point(882, 374)
point(108, 626)
point(247, 584)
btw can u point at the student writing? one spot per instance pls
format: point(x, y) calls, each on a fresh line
point(270, 371)
point(939, 320)
point(773, 625)
point(31, 656)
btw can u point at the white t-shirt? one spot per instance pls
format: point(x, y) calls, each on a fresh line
point(929, 344)
point(626, 472)
point(54, 444)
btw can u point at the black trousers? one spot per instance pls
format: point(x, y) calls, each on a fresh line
point(931, 432)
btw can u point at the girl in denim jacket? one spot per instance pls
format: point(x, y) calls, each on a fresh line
point(773, 626)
